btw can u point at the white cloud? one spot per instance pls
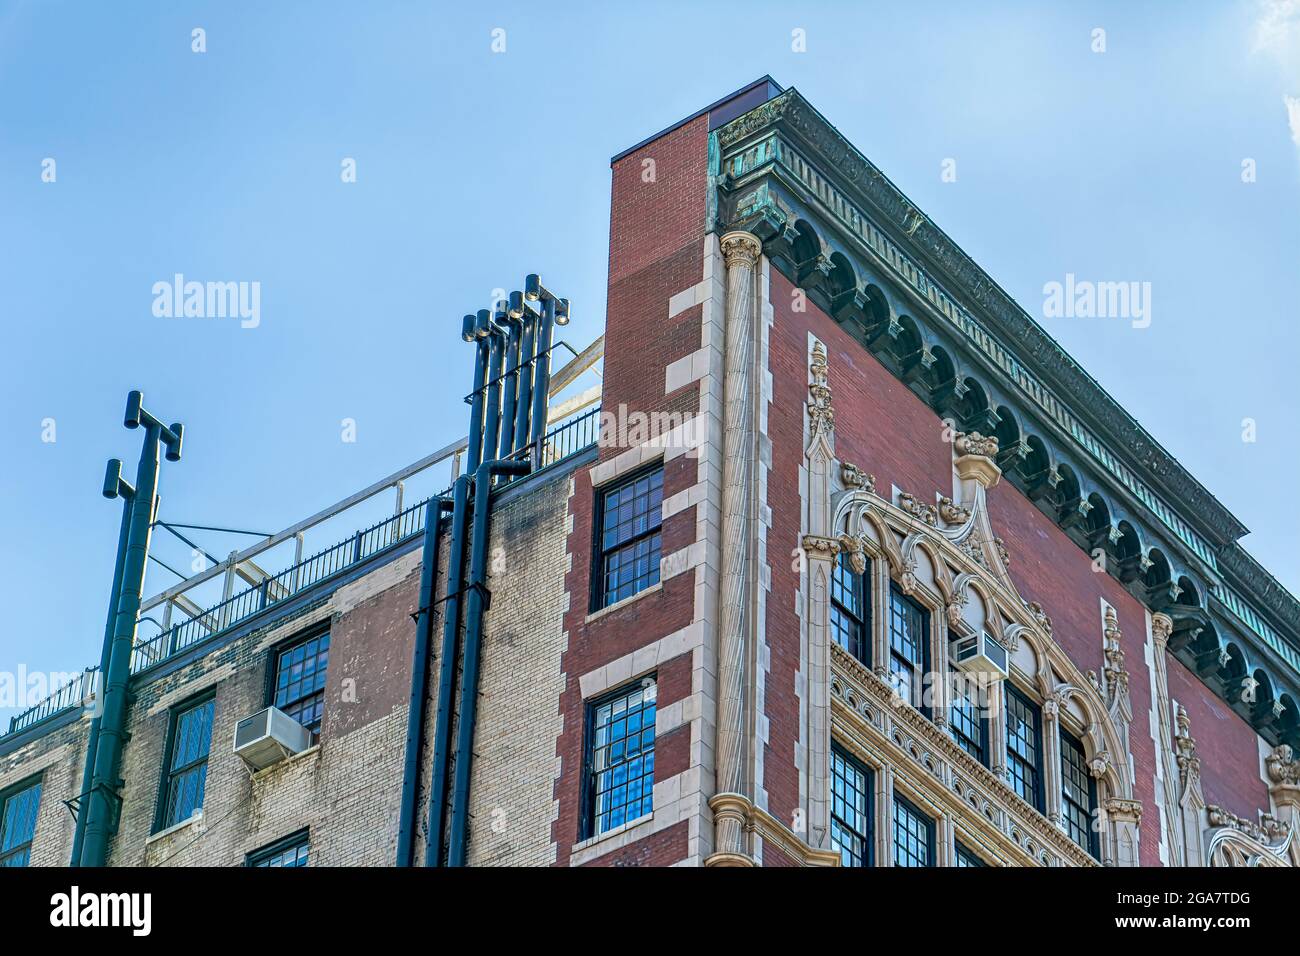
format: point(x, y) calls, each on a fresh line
point(1277, 27)
point(1293, 116)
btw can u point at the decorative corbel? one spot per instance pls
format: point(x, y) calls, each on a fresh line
point(852, 546)
point(855, 479)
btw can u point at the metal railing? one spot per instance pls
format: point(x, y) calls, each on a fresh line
point(559, 443)
point(75, 693)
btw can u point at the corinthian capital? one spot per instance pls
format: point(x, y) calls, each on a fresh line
point(741, 248)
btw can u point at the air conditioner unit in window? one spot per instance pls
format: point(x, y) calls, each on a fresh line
point(980, 653)
point(269, 736)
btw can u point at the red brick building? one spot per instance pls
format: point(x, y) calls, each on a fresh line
point(862, 570)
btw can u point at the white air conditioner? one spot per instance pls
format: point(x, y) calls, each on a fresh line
point(980, 653)
point(269, 736)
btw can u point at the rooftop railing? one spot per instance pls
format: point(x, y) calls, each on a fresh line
point(559, 443)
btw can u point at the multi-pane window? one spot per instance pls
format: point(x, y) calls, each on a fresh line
point(1078, 793)
point(966, 858)
point(851, 610)
point(291, 851)
point(969, 727)
point(913, 835)
point(1024, 747)
point(187, 763)
point(909, 645)
point(621, 758)
point(18, 808)
point(850, 809)
point(299, 687)
point(629, 541)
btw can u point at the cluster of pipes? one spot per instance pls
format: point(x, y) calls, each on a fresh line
point(507, 425)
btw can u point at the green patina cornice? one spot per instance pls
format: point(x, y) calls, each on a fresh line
point(790, 132)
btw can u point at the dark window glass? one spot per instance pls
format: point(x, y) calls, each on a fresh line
point(851, 609)
point(850, 809)
point(1024, 753)
point(18, 809)
point(300, 680)
point(966, 858)
point(187, 763)
point(621, 758)
point(292, 851)
point(1078, 793)
point(629, 541)
point(913, 835)
point(909, 645)
point(969, 727)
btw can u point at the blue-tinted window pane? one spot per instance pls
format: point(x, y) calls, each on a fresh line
point(622, 758)
point(295, 854)
point(188, 765)
point(913, 835)
point(849, 610)
point(1077, 792)
point(850, 809)
point(18, 825)
point(1023, 746)
point(300, 680)
point(630, 540)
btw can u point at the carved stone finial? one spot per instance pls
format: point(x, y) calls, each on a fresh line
point(1283, 767)
point(975, 454)
point(856, 479)
point(1040, 616)
point(821, 413)
point(922, 512)
point(973, 443)
point(1189, 765)
point(951, 512)
point(1116, 674)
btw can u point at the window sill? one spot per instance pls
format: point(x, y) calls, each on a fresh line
point(281, 764)
point(593, 847)
point(619, 605)
point(194, 819)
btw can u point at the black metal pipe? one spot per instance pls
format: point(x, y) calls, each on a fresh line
point(514, 327)
point(114, 486)
point(492, 398)
point(523, 399)
point(447, 671)
point(419, 679)
point(474, 453)
point(473, 651)
point(542, 377)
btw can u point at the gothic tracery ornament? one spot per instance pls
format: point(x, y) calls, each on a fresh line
point(820, 411)
point(951, 512)
point(855, 479)
point(917, 509)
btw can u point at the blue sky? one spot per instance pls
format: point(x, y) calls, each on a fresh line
point(476, 167)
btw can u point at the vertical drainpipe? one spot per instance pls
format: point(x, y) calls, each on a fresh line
point(447, 670)
point(514, 329)
point(523, 400)
point(471, 332)
point(542, 378)
point(419, 680)
point(492, 402)
point(114, 486)
point(473, 652)
point(112, 729)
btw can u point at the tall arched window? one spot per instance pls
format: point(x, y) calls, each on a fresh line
point(1078, 793)
point(851, 610)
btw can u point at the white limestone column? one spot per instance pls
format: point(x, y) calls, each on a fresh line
point(741, 251)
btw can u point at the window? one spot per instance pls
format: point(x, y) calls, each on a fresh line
point(1078, 793)
point(629, 541)
point(18, 808)
point(851, 610)
point(966, 858)
point(850, 809)
point(969, 727)
point(299, 688)
point(620, 758)
point(909, 645)
point(291, 851)
point(1024, 753)
point(913, 835)
point(186, 766)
